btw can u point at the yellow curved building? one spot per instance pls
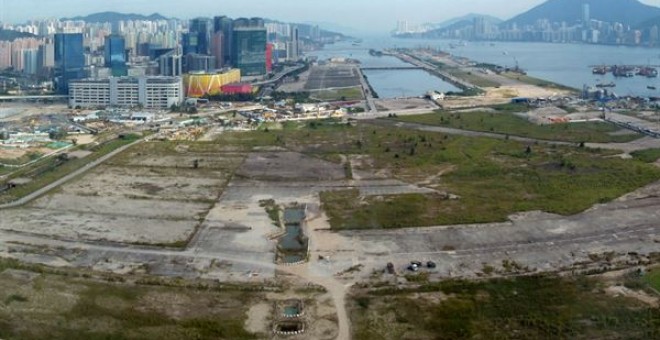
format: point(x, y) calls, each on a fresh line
point(198, 85)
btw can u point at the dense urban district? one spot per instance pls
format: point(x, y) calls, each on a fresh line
point(210, 180)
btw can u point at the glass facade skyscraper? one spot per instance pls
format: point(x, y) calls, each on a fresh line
point(249, 47)
point(201, 28)
point(226, 26)
point(115, 55)
point(69, 59)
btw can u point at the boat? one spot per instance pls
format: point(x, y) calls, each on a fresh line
point(650, 72)
point(611, 84)
point(623, 71)
point(651, 87)
point(599, 70)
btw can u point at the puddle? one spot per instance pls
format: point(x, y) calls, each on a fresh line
point(291, 311)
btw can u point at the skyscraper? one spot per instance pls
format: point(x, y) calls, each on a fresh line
point(226, 26)
point(217, 48)
point(115, 55)
point(190, 43)
point(69, 59)
point(201, 27)
point(249, 46)
point(293, 46)
point(586, 15)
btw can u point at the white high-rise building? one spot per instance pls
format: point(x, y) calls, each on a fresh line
point(586, 14)
point(402, 26)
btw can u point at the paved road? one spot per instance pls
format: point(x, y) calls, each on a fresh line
point(51, 186)
point(371, 101)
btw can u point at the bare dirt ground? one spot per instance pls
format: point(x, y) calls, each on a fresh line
point(501, 95)
point(289, 165)
point(295, 86)
point(405, 104)
point(151, 199)
point(14, 111)
point(133, 183)
point(146, 200)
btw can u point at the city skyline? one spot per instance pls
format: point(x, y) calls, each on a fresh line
point(351, 12)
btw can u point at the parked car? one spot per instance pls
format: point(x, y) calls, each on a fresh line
point(430, 264)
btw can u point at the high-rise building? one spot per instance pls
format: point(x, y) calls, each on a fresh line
point(190, 43)
point(226, 26)
point(171, 64)
point(654, 35)
point(402, 26)
point(31, 61)
point(249, 46)
point(217, 48)
point(198, 63)
point(201, 28)
point(293, 45)
point(47, 54)
point(69, 59)
point(586, 15)
point(115, 55)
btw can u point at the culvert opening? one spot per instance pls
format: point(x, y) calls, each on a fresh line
point(290, 327)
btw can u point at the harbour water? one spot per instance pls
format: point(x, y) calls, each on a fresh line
point(387, 83)
point(567, 64)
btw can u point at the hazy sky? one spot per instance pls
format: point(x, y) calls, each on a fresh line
point(364, 15)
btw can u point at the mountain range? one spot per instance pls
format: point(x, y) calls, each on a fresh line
point(9, 35)
point(116, 17)
point(627, 12)
point(467, 18)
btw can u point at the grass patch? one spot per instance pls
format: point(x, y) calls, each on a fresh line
point(652, 278)
point(272, 209)
point(530, 307)
point(70, 307)
point(504, 122)
point(492, 178)
point(648, 155)
point(51, 169)
point(31, 156)
point(350, 93)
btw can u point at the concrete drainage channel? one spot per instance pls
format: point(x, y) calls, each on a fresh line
point(290, 313)
point(293, 246)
